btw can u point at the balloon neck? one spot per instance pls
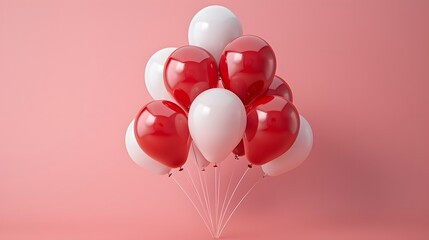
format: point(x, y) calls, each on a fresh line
point(169, 175)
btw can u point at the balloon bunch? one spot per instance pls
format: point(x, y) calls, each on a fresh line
point(218, 99)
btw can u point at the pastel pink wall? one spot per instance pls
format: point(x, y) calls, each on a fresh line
point(71, 79)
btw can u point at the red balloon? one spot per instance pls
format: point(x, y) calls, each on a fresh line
point(239, 150)
point(272, 128)
point(247, 67)
point(161, 130)
point(189, 71)
point(279, 87)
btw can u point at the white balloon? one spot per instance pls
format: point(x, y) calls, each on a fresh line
point(212, 28)
point(154, 75)
point(217, 121)
point(140, 157)
point(295, 155)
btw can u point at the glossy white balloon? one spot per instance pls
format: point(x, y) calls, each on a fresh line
point(154, 75)
point(217, 121)
point(140, 157)
point(295, 155)
point(212, 28)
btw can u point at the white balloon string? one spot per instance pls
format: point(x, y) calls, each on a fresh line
point(238, 204)
point(203, 190)
point(218, 201)
point(197, 192)
point(205, 195)
point(233, 193)
point(227, 191)
point(193, 203)
point(216, 198)
point(197, 167)
point(208, 200)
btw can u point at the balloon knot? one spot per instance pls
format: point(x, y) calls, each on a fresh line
point(250, 165)
point(215, 165)
point(180, 169)
point(236, 157)
point(169, 175)
point(203, 170)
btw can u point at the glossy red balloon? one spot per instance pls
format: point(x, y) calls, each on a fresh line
point(279, 87)
point(189, 71)
point(272, 128)
point(161, 130)
point(247, 67)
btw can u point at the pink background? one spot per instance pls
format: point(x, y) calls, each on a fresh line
point(71, 79)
